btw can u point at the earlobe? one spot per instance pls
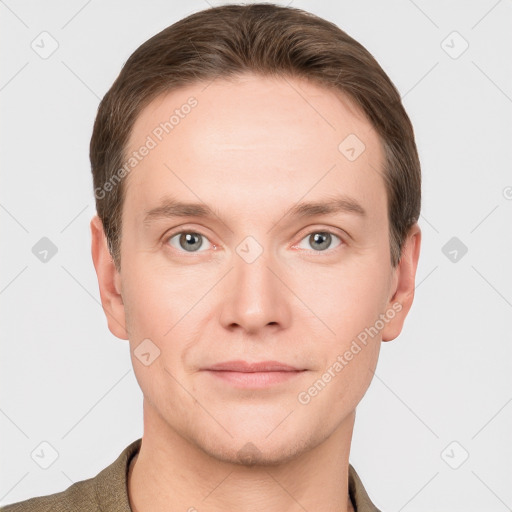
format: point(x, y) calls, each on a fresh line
point(404, 284)
point(109, 281)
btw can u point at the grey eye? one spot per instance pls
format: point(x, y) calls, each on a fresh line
point(188, 241)
point(320, 240)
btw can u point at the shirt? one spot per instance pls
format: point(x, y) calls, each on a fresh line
point(108, 491)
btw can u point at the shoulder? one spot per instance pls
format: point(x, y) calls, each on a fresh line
point(79, 496)
point(106, 492)
point(360, 499)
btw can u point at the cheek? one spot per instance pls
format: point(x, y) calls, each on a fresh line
point(163, 304)
point(348, 301)
point(158, 296)
point(345, 298)
point(346, 378)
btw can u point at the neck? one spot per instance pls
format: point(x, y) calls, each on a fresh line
point(171, 473)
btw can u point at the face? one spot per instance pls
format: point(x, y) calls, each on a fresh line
point(283, 256)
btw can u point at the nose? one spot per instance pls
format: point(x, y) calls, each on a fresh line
point(254, 295)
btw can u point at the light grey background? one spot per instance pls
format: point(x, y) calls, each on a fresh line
point(67, 381)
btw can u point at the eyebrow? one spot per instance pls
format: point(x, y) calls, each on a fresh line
point(170, 208)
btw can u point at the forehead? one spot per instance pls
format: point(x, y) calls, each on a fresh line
point(252, 139)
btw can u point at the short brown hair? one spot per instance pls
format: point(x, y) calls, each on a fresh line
point(268, 40)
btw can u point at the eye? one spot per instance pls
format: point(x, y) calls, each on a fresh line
point(320, 241)
point(188, 241)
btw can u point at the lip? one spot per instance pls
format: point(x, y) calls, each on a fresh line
point(242, 374)
point(245, 367)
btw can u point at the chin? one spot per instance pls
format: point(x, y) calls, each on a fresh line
point(257, 449)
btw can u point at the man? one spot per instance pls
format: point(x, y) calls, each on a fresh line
point(258, 189)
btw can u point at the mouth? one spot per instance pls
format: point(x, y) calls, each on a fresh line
point(262, 374)
point(245, 367)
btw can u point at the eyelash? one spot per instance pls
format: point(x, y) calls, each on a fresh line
point(170, 236)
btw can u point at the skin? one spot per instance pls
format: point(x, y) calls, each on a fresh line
point(252, 149)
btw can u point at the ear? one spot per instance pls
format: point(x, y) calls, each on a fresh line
point(109, 281)
point(403, 284)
